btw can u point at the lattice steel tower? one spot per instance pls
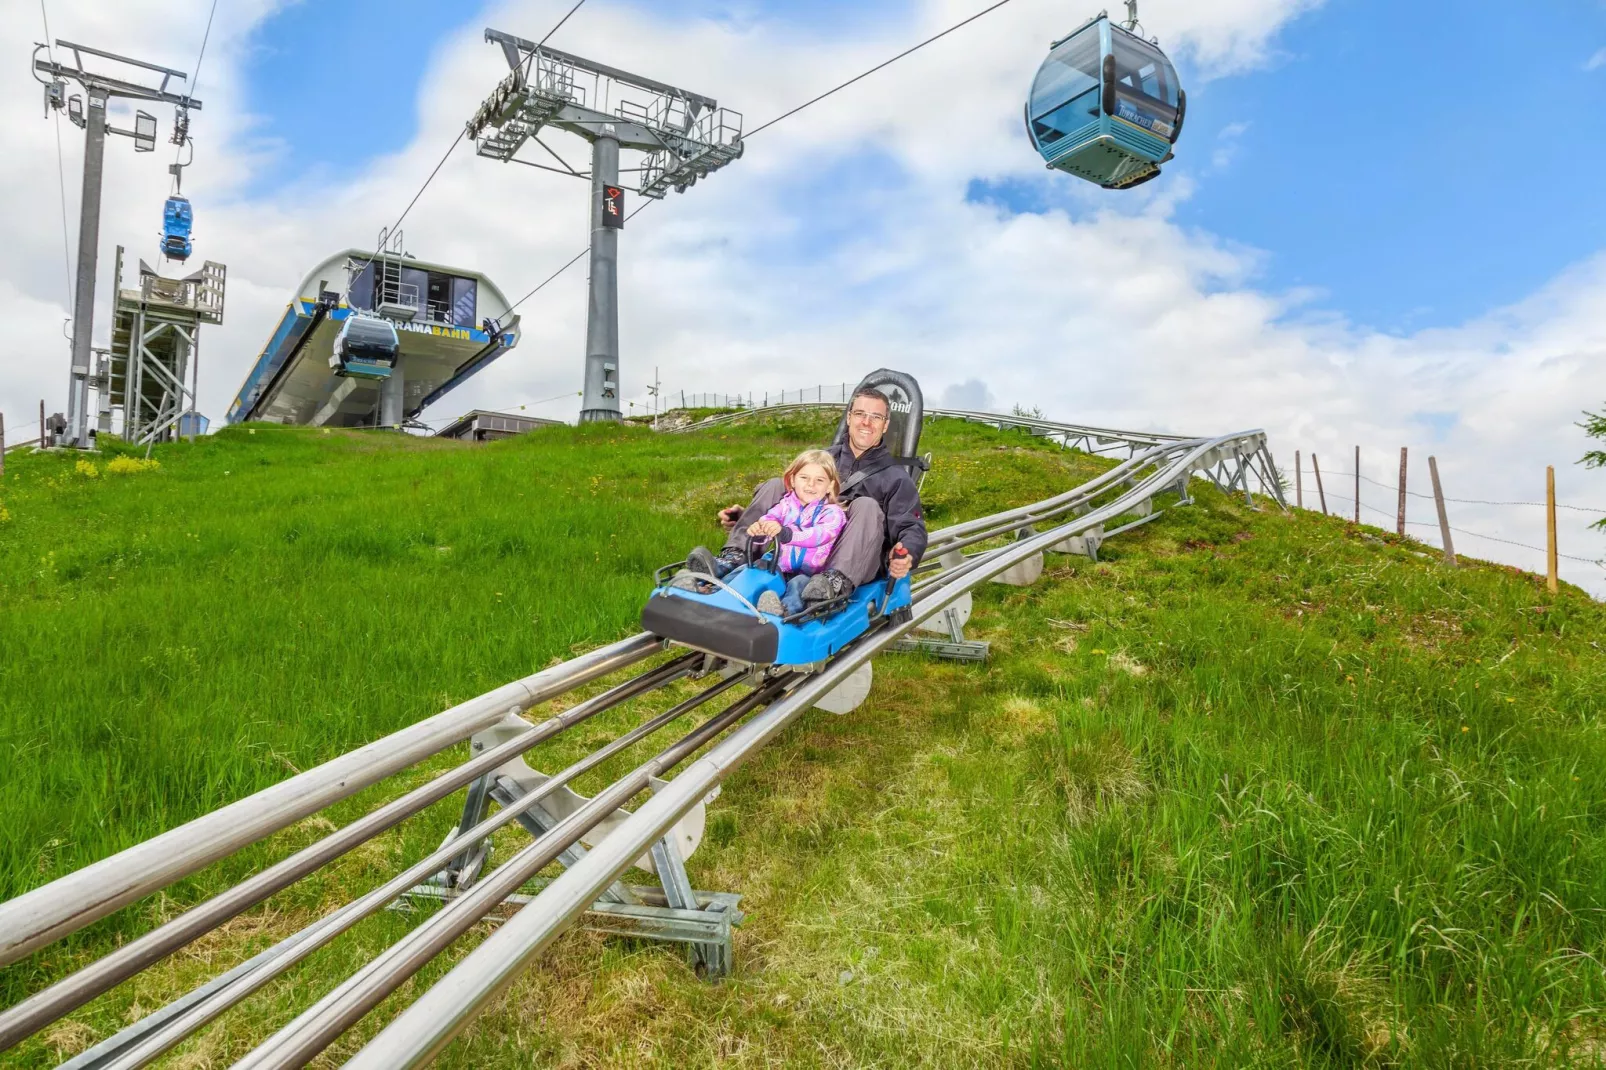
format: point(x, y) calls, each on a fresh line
point(91, 116)
point(684, 137)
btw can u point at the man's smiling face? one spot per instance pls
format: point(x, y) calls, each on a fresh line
point(867, 422)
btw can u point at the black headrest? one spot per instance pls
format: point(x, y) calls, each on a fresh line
point(903, 429)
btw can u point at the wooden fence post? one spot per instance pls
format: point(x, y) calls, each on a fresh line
point(1444, 518)
point(1299, 483)
point(41, 424)
point(1551, 562)
point(1316, 466)
point(1357, 484)
point(2, 444)
point(1399, 520)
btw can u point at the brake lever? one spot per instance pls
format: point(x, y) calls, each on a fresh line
point(897, 552)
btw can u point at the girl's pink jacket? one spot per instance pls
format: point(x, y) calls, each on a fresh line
point(814, 528)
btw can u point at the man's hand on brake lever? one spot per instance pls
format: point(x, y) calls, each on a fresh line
point(899, 562)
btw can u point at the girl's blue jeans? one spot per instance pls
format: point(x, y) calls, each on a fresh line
point(793, 598)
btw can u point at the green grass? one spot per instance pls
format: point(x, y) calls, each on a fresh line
point(1254, 790)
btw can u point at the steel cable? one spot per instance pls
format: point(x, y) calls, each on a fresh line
point(456, 141)
point(61, 171)
point(884, 63)
point(195, 81)
point(784, 115)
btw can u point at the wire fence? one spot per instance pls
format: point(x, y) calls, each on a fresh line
point(823, 393)
point(1325, 485)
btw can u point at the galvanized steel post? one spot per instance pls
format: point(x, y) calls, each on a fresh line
point(83, 309)
point(602, 315)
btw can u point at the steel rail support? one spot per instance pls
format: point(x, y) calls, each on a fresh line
point(424, 1028)
point(177, 1022)
point(320, 1025)
point(1032, 515)
point(44, 1007)
point(943, 539)
point(46, 914)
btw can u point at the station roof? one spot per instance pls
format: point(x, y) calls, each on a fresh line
point(487, 420)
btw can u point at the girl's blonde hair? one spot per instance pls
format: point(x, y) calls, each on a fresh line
point(821, 458)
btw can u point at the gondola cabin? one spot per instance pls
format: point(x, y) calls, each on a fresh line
point(1106, 106)
point(365, 348)
point(176, 222)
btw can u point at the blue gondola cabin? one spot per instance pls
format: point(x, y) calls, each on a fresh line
point(176, 222)
point(365, 348)
point(1105, 106)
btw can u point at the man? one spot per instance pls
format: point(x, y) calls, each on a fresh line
point(882, 502)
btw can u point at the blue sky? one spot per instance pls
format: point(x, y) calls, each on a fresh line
point(287, 80)
point(1413, 164)
point(1418, 162)
point(291, 53)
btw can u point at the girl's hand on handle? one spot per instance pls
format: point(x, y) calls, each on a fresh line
point(765, 527)
point(899, 562)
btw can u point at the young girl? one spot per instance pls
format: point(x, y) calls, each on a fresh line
point(810, 513)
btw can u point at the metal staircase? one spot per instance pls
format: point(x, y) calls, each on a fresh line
point(148, 370)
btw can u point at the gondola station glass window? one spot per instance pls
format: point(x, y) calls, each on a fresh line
point(445, 299)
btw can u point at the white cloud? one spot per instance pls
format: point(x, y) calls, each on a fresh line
point(773, 275)
point(972, 394)
point(1227, 143)
point(1596, 61)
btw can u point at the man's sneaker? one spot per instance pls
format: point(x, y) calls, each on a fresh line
point(730, 558)
point(827, 586)
point(770, 602)
point(701, 560)
point(685, 581)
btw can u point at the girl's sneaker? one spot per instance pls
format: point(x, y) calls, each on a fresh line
point(770, 602)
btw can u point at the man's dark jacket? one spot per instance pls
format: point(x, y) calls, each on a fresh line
point(893, 488)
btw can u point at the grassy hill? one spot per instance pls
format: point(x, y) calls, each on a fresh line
point(1254, 789)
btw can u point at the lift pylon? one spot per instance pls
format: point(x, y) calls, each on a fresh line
point(100, 88)
point(684, 136)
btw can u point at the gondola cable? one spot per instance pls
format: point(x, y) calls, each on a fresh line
point(181, 132)
point(784, 115)
point(877, 67)
point(61, 171)
point(456, 141)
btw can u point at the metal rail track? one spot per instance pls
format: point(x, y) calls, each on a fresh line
point(1089, 439)
point(1159, 465)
